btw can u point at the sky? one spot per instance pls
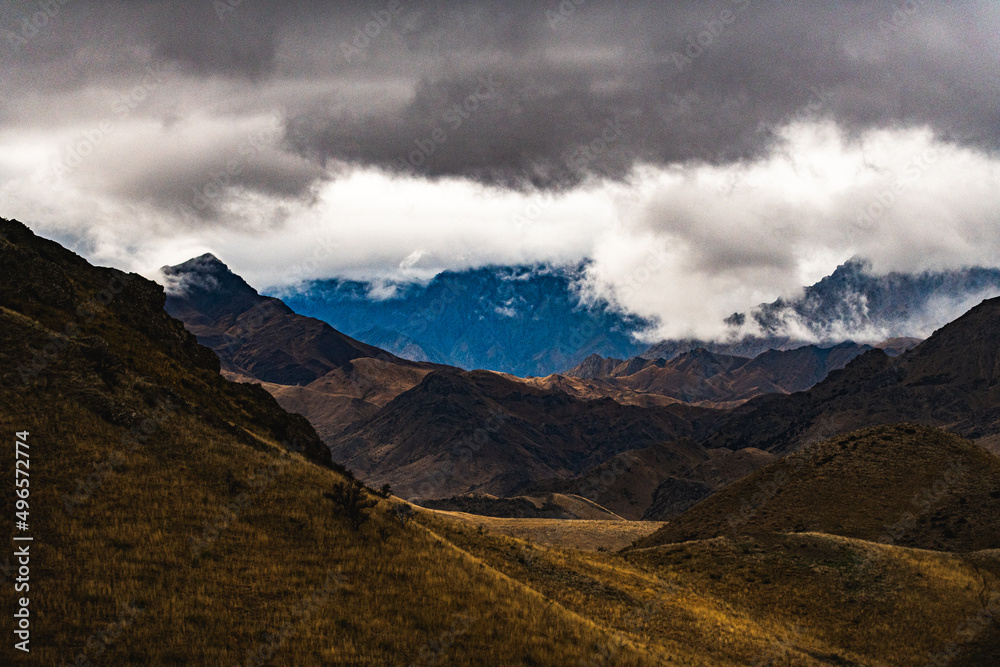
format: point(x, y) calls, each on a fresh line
point(703, 156)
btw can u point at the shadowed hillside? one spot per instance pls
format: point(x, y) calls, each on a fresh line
point(658, 482)
point(949, 380)
point(310, 367)
point(907, 485)
point(458, 432)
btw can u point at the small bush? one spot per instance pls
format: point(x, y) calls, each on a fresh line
point(351, 499)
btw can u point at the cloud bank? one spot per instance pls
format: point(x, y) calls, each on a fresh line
point(706, 156)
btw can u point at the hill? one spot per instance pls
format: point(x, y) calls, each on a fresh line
point(949, 380)
point(676, 493)
point(781, 599)
point(906, 485)
point(709, 378)
point(658, 482)
point(310, 367)
point(459, 432)
point(625, 483)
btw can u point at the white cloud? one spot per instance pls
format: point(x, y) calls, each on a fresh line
point(711, 241)
point(689, 245)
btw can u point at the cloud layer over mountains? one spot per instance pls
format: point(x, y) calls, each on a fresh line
point(732, 150)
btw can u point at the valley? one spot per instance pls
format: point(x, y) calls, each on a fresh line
point(194, 509)
point(574, 333)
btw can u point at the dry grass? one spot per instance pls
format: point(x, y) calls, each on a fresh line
point(583, 534)
point(206, 542)
point(780, 599)
point(395, 591)
point(903, 484)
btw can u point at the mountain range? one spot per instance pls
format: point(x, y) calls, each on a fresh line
point(950, 380)
point(523, 320)
point(413, 425)
point(853, 303)
point(179, 517)
point(433, 431)
point(531, 320)
point(700, 376)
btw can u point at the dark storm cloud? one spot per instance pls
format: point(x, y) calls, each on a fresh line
point(690, 82)
point(516, 92)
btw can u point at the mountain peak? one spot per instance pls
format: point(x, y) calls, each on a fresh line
point(210, 285)
point(204, 265)
point(208, 259)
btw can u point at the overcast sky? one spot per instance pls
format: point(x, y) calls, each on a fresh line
point(707, 156)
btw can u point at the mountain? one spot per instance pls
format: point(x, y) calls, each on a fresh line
point(310, 367)
point(950, 380)
point(850, 304)
point(907, 485)
point(707, 378)
point(176, 521)
point(525, 320)
point(459, 432)
point(854, 303)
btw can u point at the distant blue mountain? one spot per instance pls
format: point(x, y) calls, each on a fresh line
point(529, 320)
point(525, 320)
point(851, 304)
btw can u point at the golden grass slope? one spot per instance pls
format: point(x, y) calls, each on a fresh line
point(904, 484)
point(173, 526)
point(782, 599)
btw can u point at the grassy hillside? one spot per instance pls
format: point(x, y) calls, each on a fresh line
point(907, 485)
point(173, 525)
point(181, 519)
point(779, 599)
